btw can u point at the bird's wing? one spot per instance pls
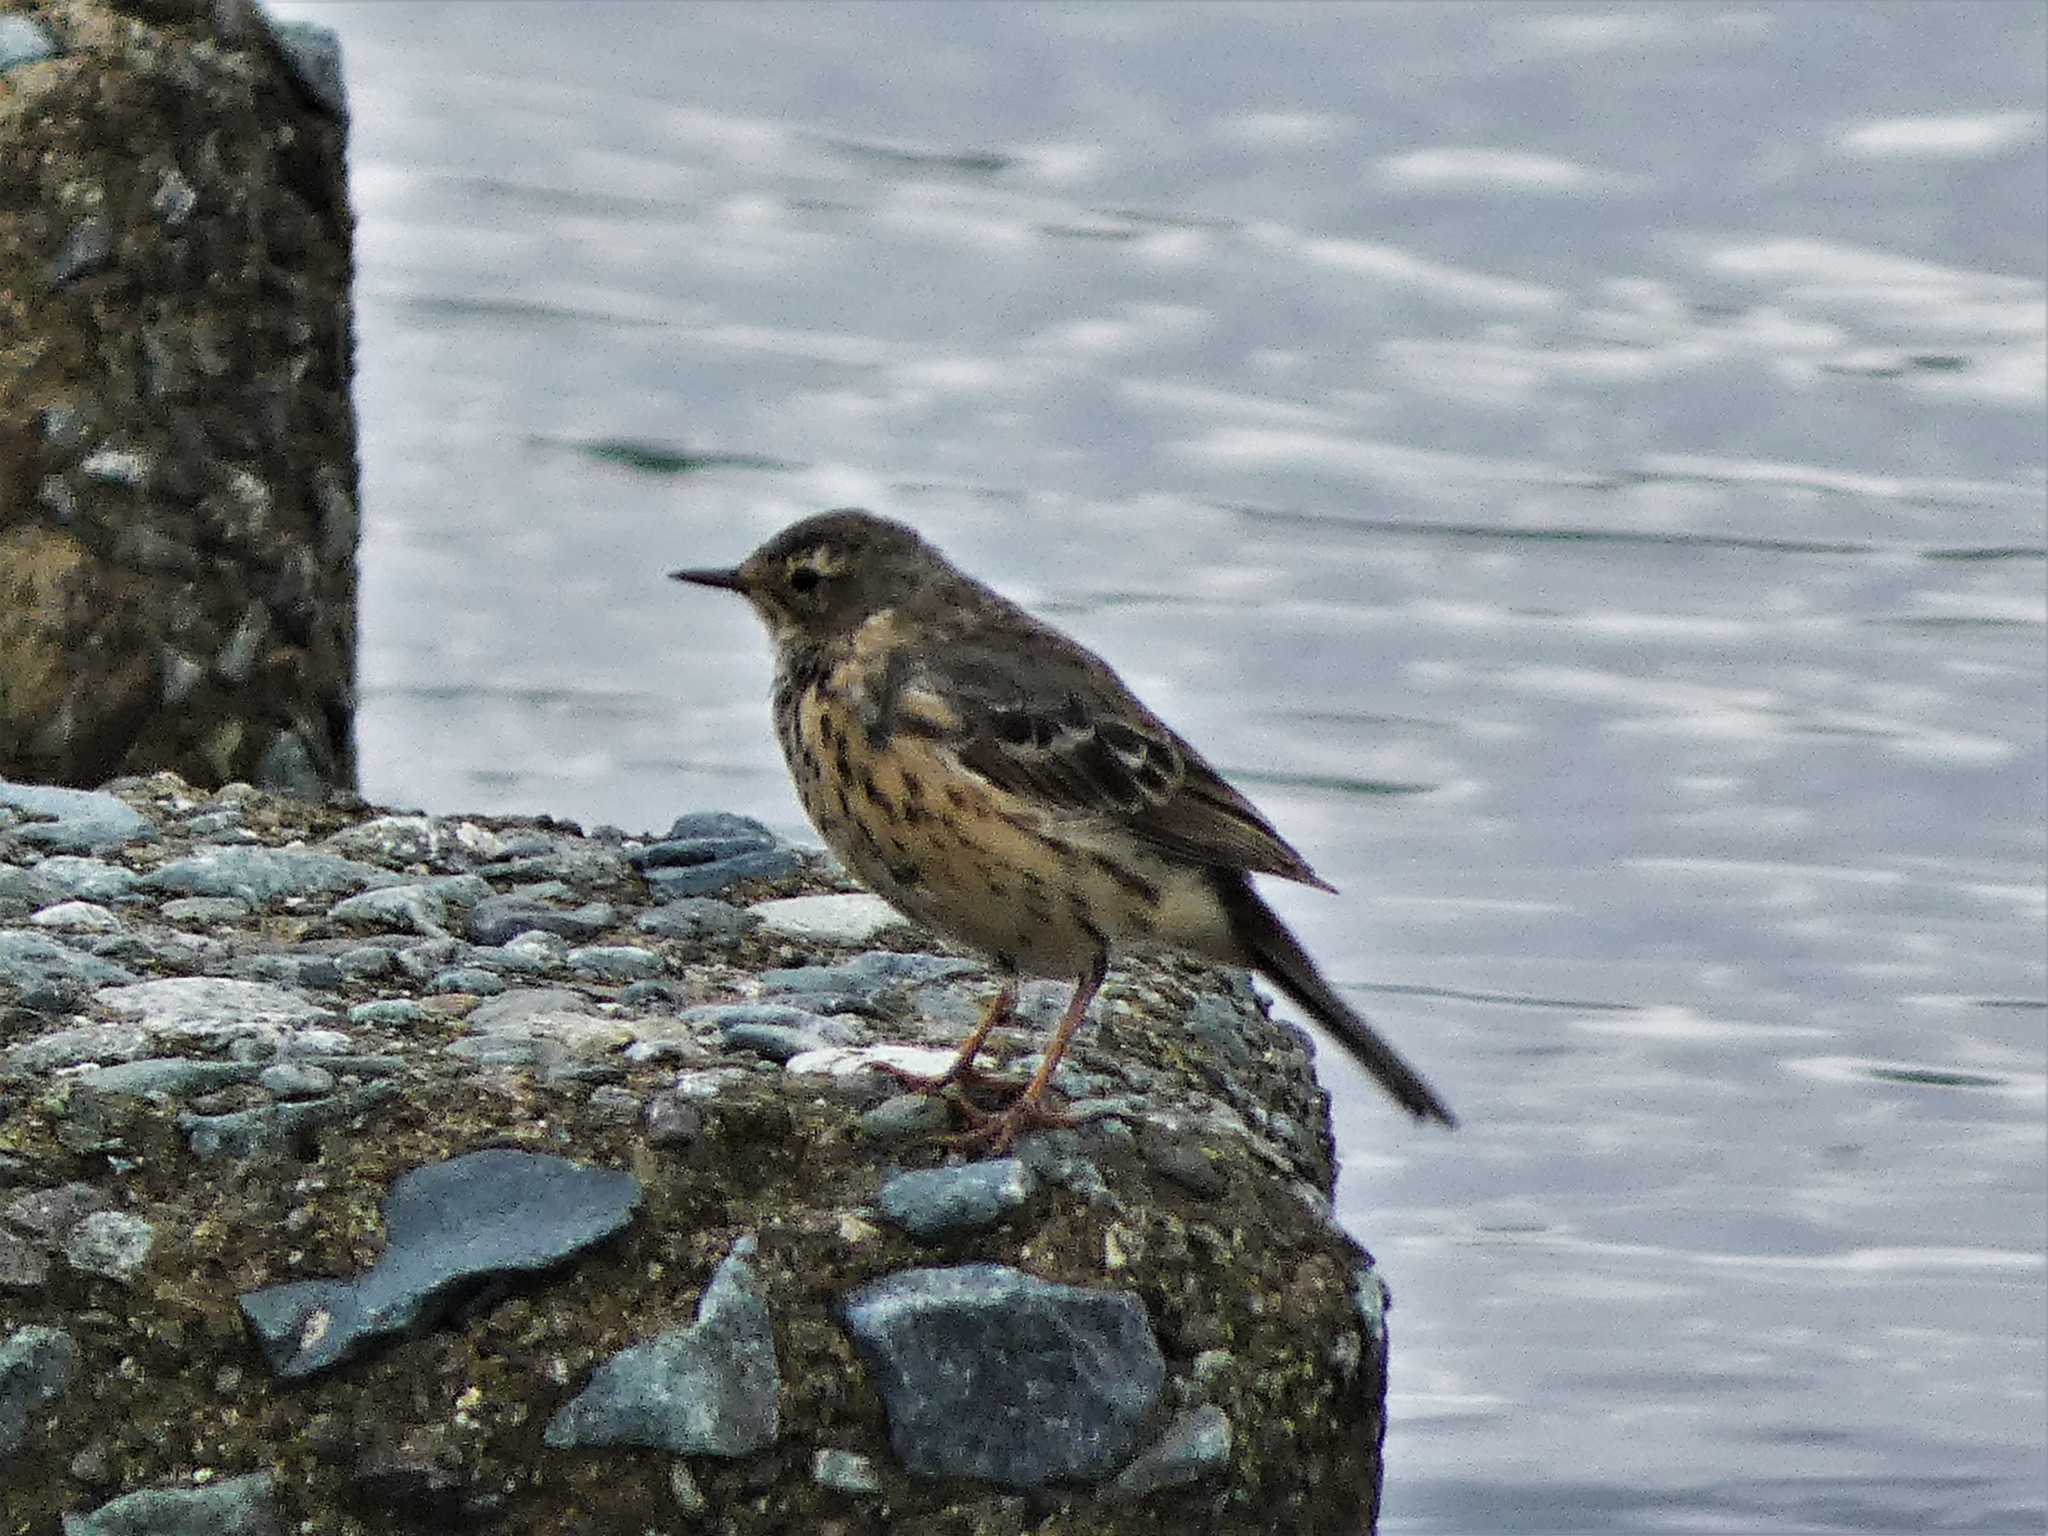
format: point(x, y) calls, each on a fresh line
point(1061, 727)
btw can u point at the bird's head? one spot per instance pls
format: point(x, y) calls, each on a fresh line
point(827, 575)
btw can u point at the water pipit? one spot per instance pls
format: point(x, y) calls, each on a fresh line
point(994, 780)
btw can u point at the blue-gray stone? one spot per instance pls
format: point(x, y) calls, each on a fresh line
point(173, 1075)
point(40, 968)
point(449, 1228)
point(25, 885)
point(88, 879)
point(473, 979)
point(498, 918)
point(937, 1202)
point(697, 825)
point(647, 996)
point(706, 1390)
point(366, 962)
point(37, 1366)
point(296, 1080)
point(290, 970)
point(111, 1244)
point(86, 820)
point(722, 874)
point(1195, 1444)
point(23, 41)
point(681, 852)
point(574, 863)
point(246, 1133)
point(865, 978)
point(774, 1030)
point(904, 1115)
point(1216, 1023)
point(263, 875)
point(696, 917)
point(615, 962)
point(844, 1471)
point(420, 906)
point(87, 247)
point(313, 55)
point(987, 1372)
point(389, 1013)
point(205, 909)
point(232, 1506)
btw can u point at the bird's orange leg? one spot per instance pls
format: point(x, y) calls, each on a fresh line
point(999, 1133)
point(962, 1069)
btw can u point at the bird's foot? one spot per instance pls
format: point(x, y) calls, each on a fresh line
point(997, 1133)
point(968, 1078)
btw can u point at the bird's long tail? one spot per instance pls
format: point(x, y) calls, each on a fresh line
point(1278, 956)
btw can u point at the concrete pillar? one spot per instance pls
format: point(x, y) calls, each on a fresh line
point(177, 440)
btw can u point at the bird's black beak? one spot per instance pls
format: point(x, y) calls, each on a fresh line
point(725, 581)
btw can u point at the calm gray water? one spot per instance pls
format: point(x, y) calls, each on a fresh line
point(1581, 470)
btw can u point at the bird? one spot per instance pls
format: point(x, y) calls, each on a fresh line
point(991, 778)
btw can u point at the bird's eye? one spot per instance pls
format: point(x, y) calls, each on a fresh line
point(804, 578)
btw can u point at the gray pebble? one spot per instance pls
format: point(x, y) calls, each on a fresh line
point(906, 1115)
point(673, 1121)
point(88, 879)
point(111, 1244)
point(706, 1390)
point(296, 1080)
point(696, 917)
point(845, 1471)
point(390, 1013)
point(473, 979)
point(1195, 1444)
point(938, 1202)
point(37, 1366)
point(230, 1506)
point(615, 962)
point(23, 40)
point(206, 909)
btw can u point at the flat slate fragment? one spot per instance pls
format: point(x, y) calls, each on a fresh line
point(450, 1227)
point(706, 1390)
point(990, 1373)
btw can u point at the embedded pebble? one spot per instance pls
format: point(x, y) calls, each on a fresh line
point(296, 1080)
point(938, 1202)
point(38, 1363)
point(496, 919)
point(263, 875)
point(82, 820)
point(851, 919)
point(206, 909)
point(23, 41)
point(846, 1471)
point(448, 1227)
point(210, 1005)
point(906, 1115)
point(696, 917)
point(88, 879)
point(111, 1244)
point(706, 1390)
point(229, 1506)
point(76, 917)
point(615, 962)
point(1194, 1445)
point(389, 1013)
point(987, 1372)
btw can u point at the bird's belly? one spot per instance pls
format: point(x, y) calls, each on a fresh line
point(982, 866)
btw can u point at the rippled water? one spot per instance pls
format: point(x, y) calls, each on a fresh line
point(1581, 470)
